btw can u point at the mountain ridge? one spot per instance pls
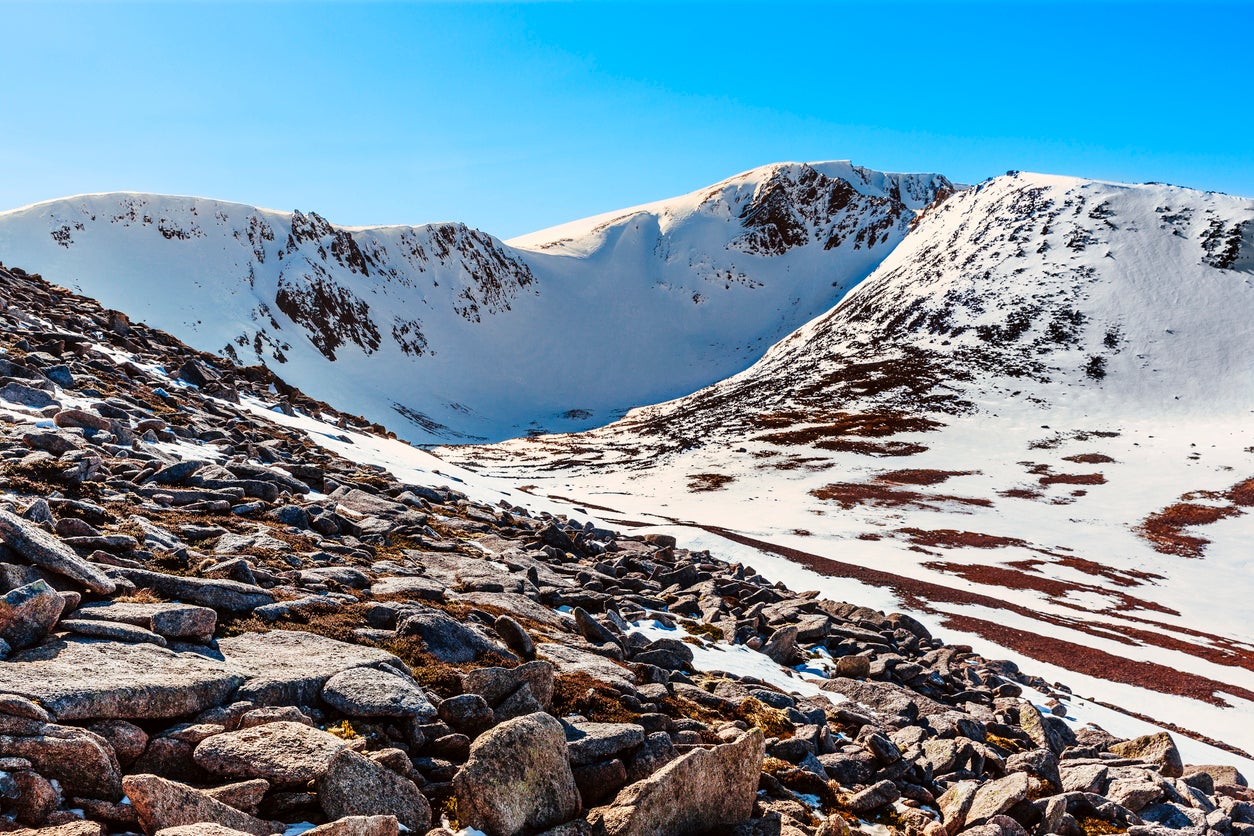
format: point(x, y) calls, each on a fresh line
point(299, 293)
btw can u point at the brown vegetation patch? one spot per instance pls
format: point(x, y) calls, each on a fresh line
point(920, 595)
point(1088, 458)
point(834, 431)
point(578, 693)
point(1165, 529)
point(949, 538)
point(852, 494)
point(921, 476)
point(1021, 493)
point(706, 482)
point(879, 449)
point(1073, 479)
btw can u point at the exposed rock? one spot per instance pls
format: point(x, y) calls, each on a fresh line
point(517, 779)
point(782, 646)
point(173, 621)
point(282, 753)
point(377, 692)
point(84, 679)
point(574, 660)
point(874, 797)
point(28, 614)
point(290, 668)
point(354, 785)
point(1158, 749)
point(243, 795)
point(591, 742)
point(82, 761)
point(996, 797)
point(358, 826)
point(701, 791)
point(45, 551)
point(449, 640)
point(231, 596)
point(163, 804)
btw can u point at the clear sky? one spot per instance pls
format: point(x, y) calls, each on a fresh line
point(516, 117)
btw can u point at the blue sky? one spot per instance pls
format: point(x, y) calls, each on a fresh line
point(516, 117)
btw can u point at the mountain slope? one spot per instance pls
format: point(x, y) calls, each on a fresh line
point(447, 333)
point(1031, 424)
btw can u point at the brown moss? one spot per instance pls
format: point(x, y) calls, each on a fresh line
point(579, 693)
point(1093, 826)
point(1165, 529)
point(1073, 479)
point(920, 476)
point(852, 494)
point(772, 721)
point(1088, 458)
point(705, 482)
point(696, 628)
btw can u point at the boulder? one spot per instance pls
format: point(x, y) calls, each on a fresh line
point(782, 646)
point(77, 828)
point(41, 549)
point(874, 797)
point(517, 779)
point(354, 785)
point(82, 761)
point(243, 795)
point(284, 753)
point(704, 790)
point(86, 679)
point(28, 614)
point(162, 804)
point(448, 639)
point(377, 692)
point(1158, 749)
point(286, 667)
point(996, 797)
point(588, 743)
point(202, 829)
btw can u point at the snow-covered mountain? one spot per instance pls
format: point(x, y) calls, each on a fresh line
point(1032, 425)
point(446, 333)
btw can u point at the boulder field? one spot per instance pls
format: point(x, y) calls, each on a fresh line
point(211, 626)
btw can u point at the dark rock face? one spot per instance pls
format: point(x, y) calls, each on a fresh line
point(265, 633)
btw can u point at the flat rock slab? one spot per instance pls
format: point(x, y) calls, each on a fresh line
point(286, 667)
point(591, 742)
point(87, 679)
point(412, 588)
point(287, 754)
point(231, 596)
point(372, 692)
point(173, 621)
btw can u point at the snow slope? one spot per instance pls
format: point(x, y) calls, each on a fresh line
point(1032, 425)
point(445, 333)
